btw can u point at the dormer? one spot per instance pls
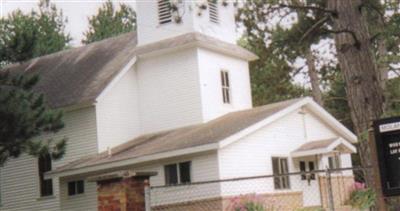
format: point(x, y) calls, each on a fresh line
point(161, 19)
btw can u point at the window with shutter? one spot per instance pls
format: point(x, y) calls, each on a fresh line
point(178, 173)
point(76, 187)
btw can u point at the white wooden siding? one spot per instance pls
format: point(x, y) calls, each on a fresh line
point(20, 179)
point(169, 93)
point(251, 156)
point(210, 65)
point(82, 202)
point(316, 129)
point(117, 113)
point(203, 168)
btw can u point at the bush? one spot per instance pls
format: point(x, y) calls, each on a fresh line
point(250, 202)
point(361, 197)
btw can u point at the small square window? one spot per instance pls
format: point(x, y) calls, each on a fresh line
point(76, 187)
point(334, 162)
point(177, 173)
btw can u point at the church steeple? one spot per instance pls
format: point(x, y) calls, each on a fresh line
point(161, 19)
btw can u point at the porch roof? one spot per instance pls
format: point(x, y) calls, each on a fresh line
point(324, 147)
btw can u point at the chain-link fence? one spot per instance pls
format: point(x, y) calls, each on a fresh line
point(334, 189)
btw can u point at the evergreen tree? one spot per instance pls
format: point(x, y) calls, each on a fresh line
point(24, 117)
point(25, 36)
point(109, 22)
point(270, 75)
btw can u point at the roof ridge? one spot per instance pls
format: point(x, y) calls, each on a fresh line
point(66, 50)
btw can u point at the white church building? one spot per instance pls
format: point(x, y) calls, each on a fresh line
point(172, 100)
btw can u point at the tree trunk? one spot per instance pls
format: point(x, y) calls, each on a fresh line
point(313, 74)
point(358, 65)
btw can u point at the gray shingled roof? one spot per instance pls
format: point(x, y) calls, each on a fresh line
point(183, 138)
point(78, 76)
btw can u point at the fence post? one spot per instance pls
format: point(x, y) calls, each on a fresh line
point(147, 197)
point(331, 202)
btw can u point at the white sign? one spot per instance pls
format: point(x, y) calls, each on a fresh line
point(389, 127)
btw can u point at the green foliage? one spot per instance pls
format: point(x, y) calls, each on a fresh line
point(311, 209)
point(25, 36)
point(270, 77)
point(393, 97)
point(362, 199)
point(109, 22)
point(251, 202)
point(335, 99)
point(23, 117)
point(277, 48)
point(252, 206)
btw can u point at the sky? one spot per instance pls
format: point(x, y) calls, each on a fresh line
point(77, 12)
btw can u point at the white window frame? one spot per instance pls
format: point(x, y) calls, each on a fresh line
point(226, 87)
point(178, 171)
point(75, 182)
point(336, 161)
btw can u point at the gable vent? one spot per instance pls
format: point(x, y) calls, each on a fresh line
point(164, 11)
point(213, 10)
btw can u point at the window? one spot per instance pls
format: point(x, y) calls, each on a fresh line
point(334, 162)
point(164, 11)
point(226, 95)
point(46, 185)
point(303, 168)
point(213, 10)
point(171, 174)
point(311, 167)
point(184, 170)
point(178, 173)
point(279, 167)
point(76, 187)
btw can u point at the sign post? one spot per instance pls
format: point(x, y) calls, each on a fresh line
point(387, 142)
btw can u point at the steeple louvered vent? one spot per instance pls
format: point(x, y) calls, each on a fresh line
point(213, 10)
point(164, 11)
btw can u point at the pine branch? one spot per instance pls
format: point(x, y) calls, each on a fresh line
point(320, 9)
point(314, 27)
point(373, 7)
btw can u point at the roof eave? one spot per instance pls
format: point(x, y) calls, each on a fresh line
point(238, 52)
point(130, 162)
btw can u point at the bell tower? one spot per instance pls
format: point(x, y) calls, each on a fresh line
point(162, 19)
